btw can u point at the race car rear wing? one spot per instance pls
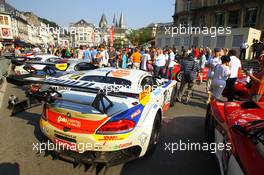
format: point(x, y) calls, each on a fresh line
point(77, 85)
point(58, 66)
point(100, 103)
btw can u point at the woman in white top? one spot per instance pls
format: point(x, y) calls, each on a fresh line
point(221, 74)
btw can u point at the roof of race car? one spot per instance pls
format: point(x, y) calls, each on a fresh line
point(127, 74)
point(45, 57)
point(132, 75)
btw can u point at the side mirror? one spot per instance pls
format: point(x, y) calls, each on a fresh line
point(240, 130)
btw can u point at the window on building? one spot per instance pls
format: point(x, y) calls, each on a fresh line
point(202, 21)
point(237, 40)
point(206, 41)
point(220, 41)
point(1, 20)
point(189, 5)
point(195, 41)
point(177, 41)
point(251, 17)
point(186, 41)
point(219, 19)
point(81, 38)
point(6, 20)
point(220, 1)
point(233, 19)
point(168, 41)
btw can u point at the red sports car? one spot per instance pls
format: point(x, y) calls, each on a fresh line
point(178, 73)
point(242, 89)
point(241, 126)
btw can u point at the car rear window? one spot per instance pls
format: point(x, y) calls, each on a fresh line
point(107, 80)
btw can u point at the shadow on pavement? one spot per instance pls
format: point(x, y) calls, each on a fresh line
point(9, 169)
point(32, 119)
point(179, 162)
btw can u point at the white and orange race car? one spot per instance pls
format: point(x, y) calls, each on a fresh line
point(107, 115)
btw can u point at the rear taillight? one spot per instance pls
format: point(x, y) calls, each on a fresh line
point(45, 113)
point(120, 126)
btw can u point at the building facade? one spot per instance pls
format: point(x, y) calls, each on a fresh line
point(26, 28)
point(6, 34)
point(81, 34)
point(231, 13)
point(243, 17)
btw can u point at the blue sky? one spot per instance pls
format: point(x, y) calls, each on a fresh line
point(137, 13)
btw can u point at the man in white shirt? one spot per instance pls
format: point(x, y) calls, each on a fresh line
point(235, 66)
point(243, 48)
point(144, 61)
point(170, 63)
point(160, 62)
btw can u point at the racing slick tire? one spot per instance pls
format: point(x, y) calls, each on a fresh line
point(155, 136)
point(179, 76)
point(209, 126)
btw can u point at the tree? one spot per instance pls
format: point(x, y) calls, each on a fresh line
point(140, 37)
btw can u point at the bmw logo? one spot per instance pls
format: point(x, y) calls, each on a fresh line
point(68, 115)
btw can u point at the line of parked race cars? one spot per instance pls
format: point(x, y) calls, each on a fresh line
point(116, 114)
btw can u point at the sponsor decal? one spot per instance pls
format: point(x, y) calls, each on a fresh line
point(69, 122)
point(61, 66)
point(121, 73)
point(135, 114)
point(122, 146)
point(109, 138)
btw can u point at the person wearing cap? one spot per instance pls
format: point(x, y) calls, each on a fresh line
point(211, 64)
point(257, 89)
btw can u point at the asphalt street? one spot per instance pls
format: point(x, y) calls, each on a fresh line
point(181, 123)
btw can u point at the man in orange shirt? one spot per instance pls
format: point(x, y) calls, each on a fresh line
point(136, 59)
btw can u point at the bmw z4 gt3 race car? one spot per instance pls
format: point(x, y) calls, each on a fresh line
point(106, 116)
